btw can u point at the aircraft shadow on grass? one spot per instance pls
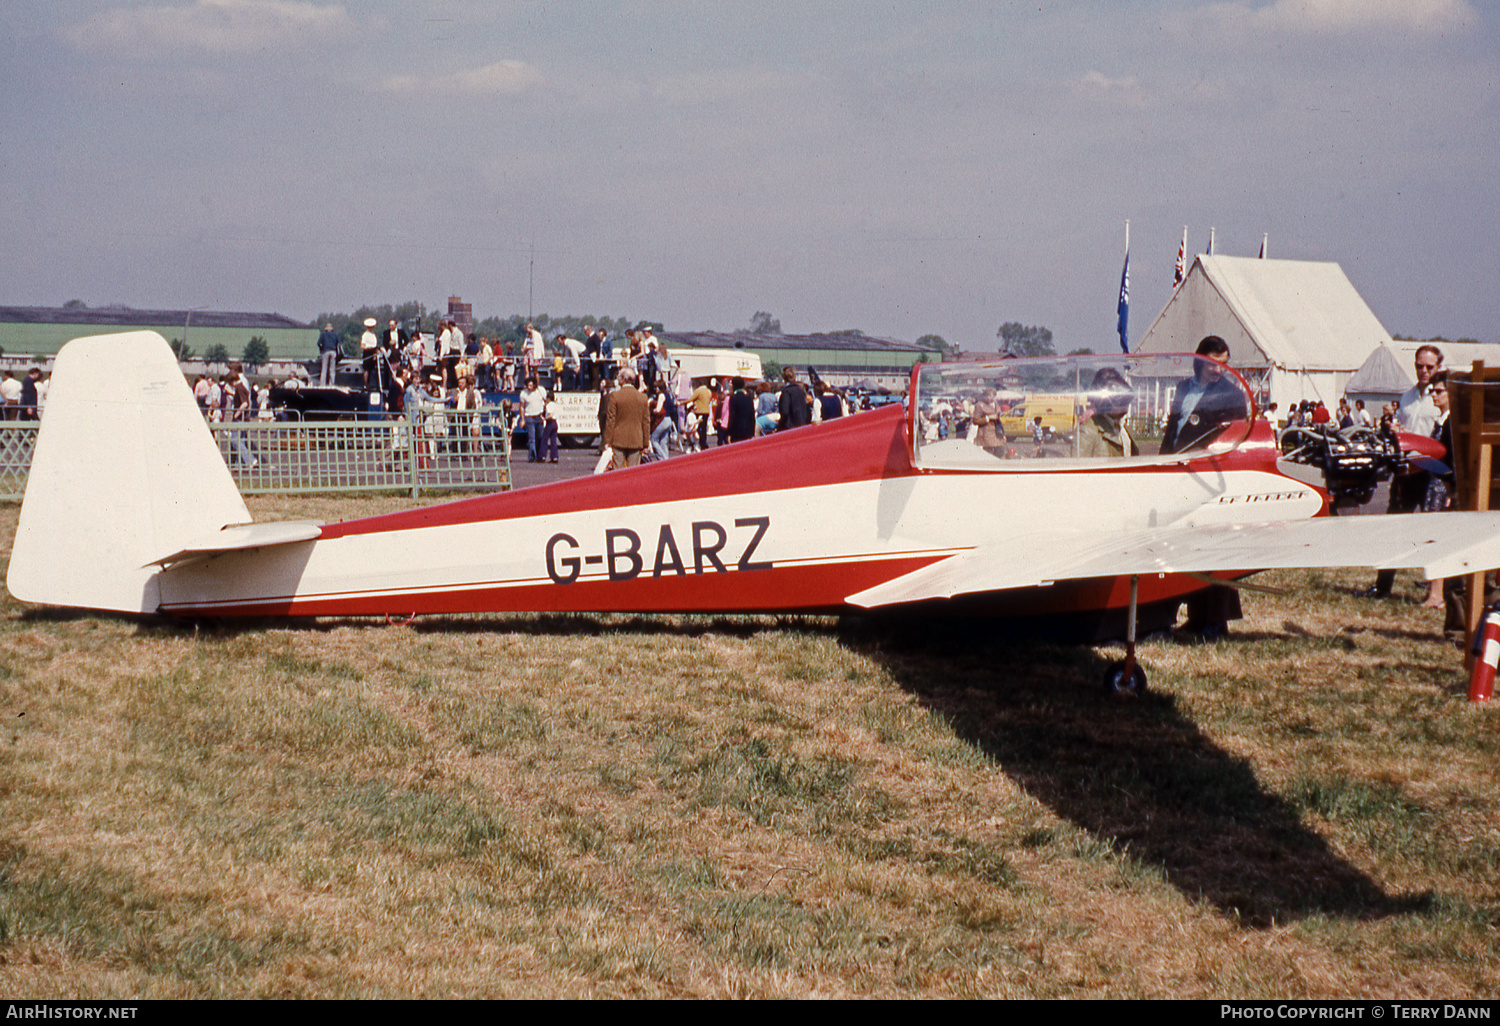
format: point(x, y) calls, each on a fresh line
point(1139, 776)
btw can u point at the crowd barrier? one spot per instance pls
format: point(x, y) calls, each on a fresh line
point(453, 451)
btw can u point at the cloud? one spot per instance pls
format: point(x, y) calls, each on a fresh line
point(1123, 91)
point(211, 26)
point(502, 78)
point(1323, 17)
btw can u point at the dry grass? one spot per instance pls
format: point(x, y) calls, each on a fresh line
point(676, 806)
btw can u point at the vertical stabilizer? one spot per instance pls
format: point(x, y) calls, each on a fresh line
point(125, 472)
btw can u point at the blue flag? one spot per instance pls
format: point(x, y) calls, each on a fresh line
point(1124, 307)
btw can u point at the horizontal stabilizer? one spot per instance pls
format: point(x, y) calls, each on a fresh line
point(1439, 544)
point(246, 536)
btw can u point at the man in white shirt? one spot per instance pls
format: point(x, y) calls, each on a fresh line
point(450, 348)
point(533, 407)
point(369, 347)
point(10, 391)
point(1415, 413)
point(573, 351)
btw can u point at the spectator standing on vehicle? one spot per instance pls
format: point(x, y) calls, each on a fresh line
point(394, 340)
point(573, 352)
point(416, 354)
point(607, 365)
point(369, 348)
point(484, 369)
point(328, 355)
point(535, 350)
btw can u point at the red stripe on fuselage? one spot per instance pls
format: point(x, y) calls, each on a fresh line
point(792, 589)
point(863, 447)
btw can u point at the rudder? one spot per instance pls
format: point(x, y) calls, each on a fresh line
point(125, 472)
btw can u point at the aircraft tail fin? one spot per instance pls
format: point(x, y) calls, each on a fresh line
point(125, 472)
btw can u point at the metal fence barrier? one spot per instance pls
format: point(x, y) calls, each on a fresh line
point(452, 451)
point(17, 443)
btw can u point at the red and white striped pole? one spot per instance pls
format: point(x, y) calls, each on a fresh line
point(1482, 677)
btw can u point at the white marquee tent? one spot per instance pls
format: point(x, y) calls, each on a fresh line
point(1389, 370)
point(1296, 329)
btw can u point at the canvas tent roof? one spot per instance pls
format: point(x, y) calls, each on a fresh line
point(1382, 374)
point(1296, 314)
point(1389, 368)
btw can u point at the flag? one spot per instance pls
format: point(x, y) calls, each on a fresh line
point(1263, 240)
point(1210, 250)
point(1124, 305)
point(1181, 271)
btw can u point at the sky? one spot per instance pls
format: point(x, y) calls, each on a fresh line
point(904, 168)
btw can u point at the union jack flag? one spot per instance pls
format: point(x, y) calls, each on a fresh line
point(1181, 271)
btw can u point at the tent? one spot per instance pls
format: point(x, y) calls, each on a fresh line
point(1296, 329)
point(1389, 371)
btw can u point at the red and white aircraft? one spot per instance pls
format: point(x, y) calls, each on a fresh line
point(130, 507)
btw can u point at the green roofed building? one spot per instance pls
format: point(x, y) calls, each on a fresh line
point(840, 359)
point(42, 330)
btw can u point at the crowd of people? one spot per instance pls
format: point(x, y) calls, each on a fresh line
point(437, 381)
point(24, 398)
point(642, 420)
point(567, 364)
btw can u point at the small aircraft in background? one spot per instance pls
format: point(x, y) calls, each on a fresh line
point(130, 507)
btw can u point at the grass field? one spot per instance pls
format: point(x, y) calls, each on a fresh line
point(532, 806)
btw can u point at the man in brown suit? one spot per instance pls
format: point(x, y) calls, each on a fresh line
point(627, 423)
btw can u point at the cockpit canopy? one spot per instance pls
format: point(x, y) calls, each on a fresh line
point(1024, 414)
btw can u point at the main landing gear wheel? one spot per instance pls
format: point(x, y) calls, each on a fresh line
point(1118, 685)
point(1125, 679)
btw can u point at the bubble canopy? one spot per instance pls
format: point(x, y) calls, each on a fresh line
point(1051, 412)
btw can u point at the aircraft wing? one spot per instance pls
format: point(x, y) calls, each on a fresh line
point(1439, 544)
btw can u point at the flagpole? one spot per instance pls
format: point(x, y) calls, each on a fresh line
point(1123, 308)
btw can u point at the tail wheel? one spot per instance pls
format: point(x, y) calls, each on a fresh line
point(1118, 685)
